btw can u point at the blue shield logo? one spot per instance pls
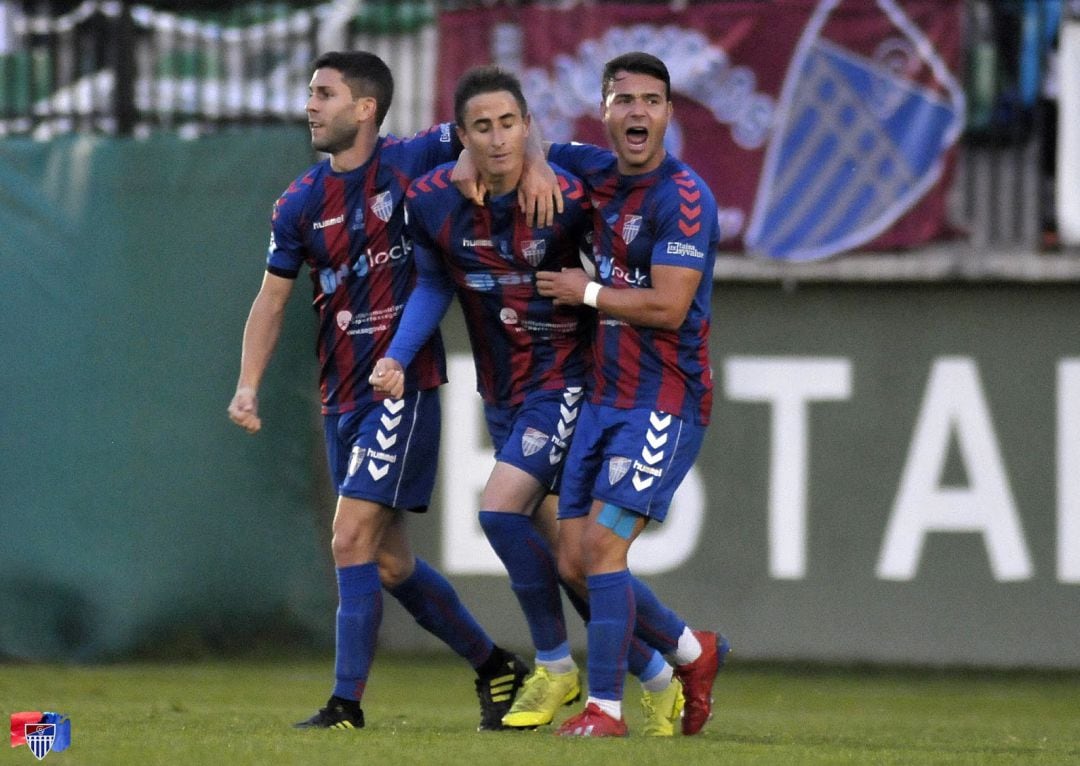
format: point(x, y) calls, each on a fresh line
point(857, 141)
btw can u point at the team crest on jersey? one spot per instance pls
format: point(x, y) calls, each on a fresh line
point(617, 468)
point(533, 250)
point(356, 457)
point(343, 319)
point(382, 205)
point(532, 441)
point(630, 228)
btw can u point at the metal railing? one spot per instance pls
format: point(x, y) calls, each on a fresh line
point(128, 69)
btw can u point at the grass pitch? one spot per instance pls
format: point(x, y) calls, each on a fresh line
point(422, 710)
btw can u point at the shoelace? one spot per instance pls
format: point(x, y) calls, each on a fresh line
point(647, 704)
point(536, 690)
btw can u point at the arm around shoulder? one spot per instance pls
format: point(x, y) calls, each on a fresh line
point(663, 306)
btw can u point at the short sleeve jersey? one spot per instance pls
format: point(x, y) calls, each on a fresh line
point(666, 217)
point(521, 341)
point(349, 228)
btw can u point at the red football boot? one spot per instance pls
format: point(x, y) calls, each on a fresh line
point(697, 679)
point(592, 722)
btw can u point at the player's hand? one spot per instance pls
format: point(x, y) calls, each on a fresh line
point(244, 409)
point(567, 287)
point(388, 377)
point(539, 195)
point(466, 179)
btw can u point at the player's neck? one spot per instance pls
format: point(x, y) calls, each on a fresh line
point(356, 155)
point(501, 184)
point(628, 169)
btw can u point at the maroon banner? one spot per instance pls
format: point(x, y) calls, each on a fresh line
point(821, 126)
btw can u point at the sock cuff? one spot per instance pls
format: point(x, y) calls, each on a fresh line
point(502, 521)
point(359, 578)
point(608, 580)
point(554, 655)
point(656, 666)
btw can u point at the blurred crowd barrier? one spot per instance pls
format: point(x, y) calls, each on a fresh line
point(126, 69)
point(129, 69)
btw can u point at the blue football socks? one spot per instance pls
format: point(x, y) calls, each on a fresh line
point(642, 661)
point(358, 617)
point(611, 602)
point(434, 604)
point(533, 578)
point(656, 624)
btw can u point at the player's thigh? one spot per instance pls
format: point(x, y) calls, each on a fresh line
point(509, 489)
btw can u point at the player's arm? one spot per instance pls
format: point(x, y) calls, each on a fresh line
point(261, 334)
point(539, 194)
point(425, 308)
point(664, 305)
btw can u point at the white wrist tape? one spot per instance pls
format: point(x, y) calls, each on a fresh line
point(592, 292)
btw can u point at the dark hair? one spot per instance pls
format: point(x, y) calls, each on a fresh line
point(366, 74)
point(486, 79)
point(637, 62)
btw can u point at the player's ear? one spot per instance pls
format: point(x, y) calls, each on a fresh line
point(528, 123)
point(364, 108)
point(462, 135)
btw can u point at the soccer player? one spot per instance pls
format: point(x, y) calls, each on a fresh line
point(530, 357)
point(654, 241)
point(344, 218)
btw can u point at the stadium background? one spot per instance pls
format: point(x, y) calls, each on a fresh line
point(890, 477)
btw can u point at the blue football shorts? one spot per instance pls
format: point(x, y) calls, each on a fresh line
point(386, 451)
point(632, 459)
point(536, 434)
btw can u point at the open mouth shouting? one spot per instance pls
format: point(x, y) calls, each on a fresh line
point(637, 137)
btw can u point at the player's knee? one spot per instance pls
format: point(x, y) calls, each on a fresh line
point(394, 570)
point(341, 546)
point(571, 570)
point(349, 544)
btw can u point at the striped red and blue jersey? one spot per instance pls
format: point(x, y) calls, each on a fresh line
point(667, 217)
point(349, 228)
point(521, 341)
